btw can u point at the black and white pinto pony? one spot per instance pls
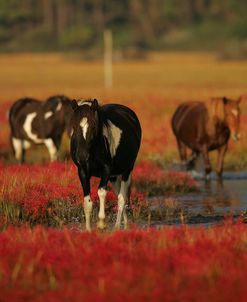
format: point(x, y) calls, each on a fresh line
point(39, 122)
point(105, 142)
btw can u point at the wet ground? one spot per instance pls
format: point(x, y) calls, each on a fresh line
point(211, 204)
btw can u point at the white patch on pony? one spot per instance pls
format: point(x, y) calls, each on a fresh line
point(48, 114)
point(17, 145)
point(82, 103)
point(113, 135)
point(26, 144)
point(235, 112)
point(84, 125)
point(27, 126)
point(102, 195)
point(51, 148)
point(59, 106)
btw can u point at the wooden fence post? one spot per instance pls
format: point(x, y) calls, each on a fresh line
point(108, 81)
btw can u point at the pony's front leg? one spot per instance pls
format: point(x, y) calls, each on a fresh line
point(221, 154)
point(123, 197)
point(208, 168)
point(102, 196)
point(50, 145)
point(88, 205)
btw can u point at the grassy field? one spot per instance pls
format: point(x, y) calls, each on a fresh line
point(174, 76)
point(44, 253)
point(153, 88)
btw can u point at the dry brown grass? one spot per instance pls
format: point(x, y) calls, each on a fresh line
point(171, 75)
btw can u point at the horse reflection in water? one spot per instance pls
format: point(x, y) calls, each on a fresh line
point(204, 127)
point(218, 196)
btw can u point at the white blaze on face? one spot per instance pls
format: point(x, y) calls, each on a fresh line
point(27, 126)
point(113, 135)
point(84, 126)
point(71, 132)
point(59, 106)
point(235, 112)
point(48, 114)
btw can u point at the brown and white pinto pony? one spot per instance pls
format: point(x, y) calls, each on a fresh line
point(39, 122)
point(203, 127)
point(105, 142)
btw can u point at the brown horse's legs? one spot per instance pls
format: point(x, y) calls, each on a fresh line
point(192, 160)
point(220, 161)
point(182, 150)
point(206, 160)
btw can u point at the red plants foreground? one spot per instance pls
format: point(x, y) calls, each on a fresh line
point(34, 187)
point(172, 264)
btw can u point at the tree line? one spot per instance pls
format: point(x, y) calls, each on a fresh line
point(141, 24)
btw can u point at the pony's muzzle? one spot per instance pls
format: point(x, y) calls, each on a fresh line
point(236, 136)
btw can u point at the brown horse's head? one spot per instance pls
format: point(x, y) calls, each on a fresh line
point(232, 116)
point(224, 110)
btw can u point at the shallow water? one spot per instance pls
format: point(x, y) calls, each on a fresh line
point(214, 201)
point(221, 197)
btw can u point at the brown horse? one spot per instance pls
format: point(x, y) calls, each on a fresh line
point(203, 127)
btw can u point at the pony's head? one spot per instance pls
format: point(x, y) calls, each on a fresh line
point(232, 116)
point(85, 121)
point(227, 111)
point(60, 107)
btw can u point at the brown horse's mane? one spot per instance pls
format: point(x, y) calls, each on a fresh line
point(216, 114)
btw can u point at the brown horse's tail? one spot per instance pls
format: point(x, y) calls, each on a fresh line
point(216, 113)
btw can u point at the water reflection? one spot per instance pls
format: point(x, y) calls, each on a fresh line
point(214, 196)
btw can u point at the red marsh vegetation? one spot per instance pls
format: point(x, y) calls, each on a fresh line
point(171, 264)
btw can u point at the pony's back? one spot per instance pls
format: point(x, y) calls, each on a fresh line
point(187, 120)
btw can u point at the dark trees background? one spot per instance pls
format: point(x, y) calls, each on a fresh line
point(44, 25)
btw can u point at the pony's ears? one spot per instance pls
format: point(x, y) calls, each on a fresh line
point(74, 104)
point(225, 100)
point(95, 104)
point(240, 99)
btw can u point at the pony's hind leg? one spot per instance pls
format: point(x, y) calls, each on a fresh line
point(102, 197)
point(191, 161)
point(116, 184)
point(182, 151)
point(220, 161)
point(123, 197)
point(50, 145)
point(206, 159)
point(18, 149)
